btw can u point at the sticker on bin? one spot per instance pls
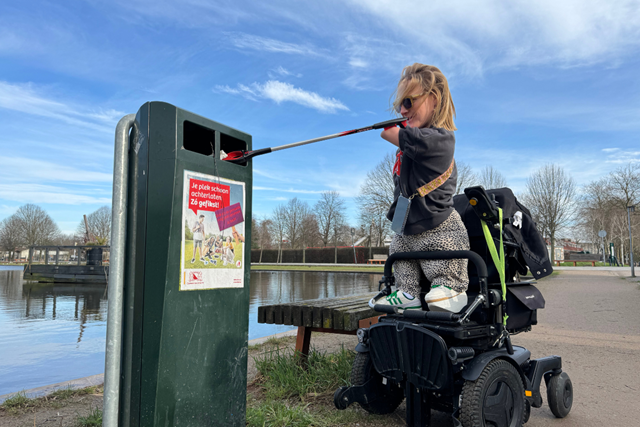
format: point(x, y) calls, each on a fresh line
point(213, 218)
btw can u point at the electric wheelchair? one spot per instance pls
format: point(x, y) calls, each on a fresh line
point(465, 363)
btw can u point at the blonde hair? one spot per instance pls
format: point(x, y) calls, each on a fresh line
point(432, 82)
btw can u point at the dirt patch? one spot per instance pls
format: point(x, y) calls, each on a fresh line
point(51, 411)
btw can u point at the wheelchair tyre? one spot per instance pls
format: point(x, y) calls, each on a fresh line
point(495, 399)
point(361, 372)
point(560, 395)
point(527, 411)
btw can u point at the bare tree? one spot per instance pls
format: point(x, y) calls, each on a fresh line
point(378, 186)
point(604, 207)
point(327, 210)
point(261, 234)
point(278, 219)
point(296, 211)
point(551, 197)
point(373, 219)
point(36, 226)
point(595, 209)
point(10, 235)
point(490, 178)
point(466, 177)
point(99, 223)
point(309, 233)
point(67, 239)
point(376, 196)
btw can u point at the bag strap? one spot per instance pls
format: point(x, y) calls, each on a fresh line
point(430, 186)
point(498, 260)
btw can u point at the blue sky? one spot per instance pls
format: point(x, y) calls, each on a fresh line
point(533, 83)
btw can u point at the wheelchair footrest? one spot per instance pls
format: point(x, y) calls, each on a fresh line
point(367, 393)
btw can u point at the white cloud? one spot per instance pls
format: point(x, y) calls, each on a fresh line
point(288, 190)
point(37, 171)
point(263, 44)
point(41, 194)
point(281, 71)
point(474, 35)
point(284, 92)
point(610, 150)
point(25, 98)
point(623, 157)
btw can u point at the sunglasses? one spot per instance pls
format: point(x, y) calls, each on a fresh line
point(407, 103)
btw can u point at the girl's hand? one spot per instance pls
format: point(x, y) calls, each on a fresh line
point(391, 135)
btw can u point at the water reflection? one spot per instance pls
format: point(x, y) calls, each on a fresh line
point(50, 332)
point(56, 332)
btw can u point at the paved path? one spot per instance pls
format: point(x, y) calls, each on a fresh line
point(592, 320)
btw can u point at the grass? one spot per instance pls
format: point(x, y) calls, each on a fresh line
point(287, 393)
point(284, 377)
point(94, 419)
point(588, 264)
point(20, 403)
point(274, 342)
point(17, 402)
point(286, 414)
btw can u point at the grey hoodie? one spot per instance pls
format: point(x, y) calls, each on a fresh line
point(426, 154)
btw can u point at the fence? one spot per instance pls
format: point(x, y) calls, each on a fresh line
point(319, 255)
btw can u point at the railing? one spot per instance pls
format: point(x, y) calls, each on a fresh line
point(69, 255)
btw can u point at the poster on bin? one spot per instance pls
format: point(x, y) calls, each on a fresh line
point(213, 213)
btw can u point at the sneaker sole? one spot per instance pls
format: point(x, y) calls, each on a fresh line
point(441, 299)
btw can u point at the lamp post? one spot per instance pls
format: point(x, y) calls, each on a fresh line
point(629, 210)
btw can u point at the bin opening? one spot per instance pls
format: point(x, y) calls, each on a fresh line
point(229, 144)
point(198, 139)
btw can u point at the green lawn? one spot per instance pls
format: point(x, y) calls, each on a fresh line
point(328, 267)
point(586, 264)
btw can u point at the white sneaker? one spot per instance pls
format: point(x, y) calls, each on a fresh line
point(442, 298)
point(397, 299)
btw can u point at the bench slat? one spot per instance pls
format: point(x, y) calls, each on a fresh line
point(329, 313)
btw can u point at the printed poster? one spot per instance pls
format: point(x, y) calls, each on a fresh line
point(213, 217)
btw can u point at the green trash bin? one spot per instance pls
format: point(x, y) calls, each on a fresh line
point(186, 283)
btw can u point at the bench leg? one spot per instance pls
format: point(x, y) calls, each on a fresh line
point(302, 341)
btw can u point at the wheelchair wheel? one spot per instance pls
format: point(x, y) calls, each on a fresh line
point(560, 395)
point(495, 399)
point(527, 411)
point(361, 372)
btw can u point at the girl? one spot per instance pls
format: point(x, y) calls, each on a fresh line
point(425, 173)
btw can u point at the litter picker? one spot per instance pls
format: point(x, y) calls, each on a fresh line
point(241, 157)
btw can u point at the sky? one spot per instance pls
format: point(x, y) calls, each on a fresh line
point(534, 83)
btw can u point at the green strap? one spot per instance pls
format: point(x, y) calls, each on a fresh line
point(497, 260)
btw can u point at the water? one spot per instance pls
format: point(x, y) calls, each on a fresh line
point(56, 332)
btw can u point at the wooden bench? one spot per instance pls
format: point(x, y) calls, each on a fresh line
point(378, 259)
point(575, 263)
point(340, 315)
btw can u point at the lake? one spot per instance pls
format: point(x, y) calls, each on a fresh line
point(56, 332)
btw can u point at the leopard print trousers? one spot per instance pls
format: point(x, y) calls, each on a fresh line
point(451, 235)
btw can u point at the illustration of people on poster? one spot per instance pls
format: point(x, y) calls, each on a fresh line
point(213, 212)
